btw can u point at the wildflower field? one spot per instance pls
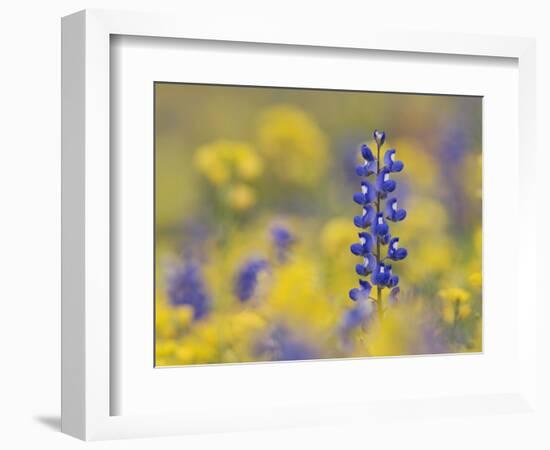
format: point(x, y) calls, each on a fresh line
point(295, 224)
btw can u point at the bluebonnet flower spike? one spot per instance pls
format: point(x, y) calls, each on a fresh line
point(376, 232)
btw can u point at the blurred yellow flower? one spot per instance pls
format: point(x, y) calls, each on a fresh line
point(165, 348)
point(336, 236)
point(424, 213)
point(183, 315)
point(224, 160)
point(241, 197)
point(436, 256)
point(475, 279)
point(421, 167)
point(164, 324)
point(297, 298)
point(454, 294)
point(295, 146)
point(456, 303)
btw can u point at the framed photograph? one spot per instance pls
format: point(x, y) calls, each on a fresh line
point(267, 228)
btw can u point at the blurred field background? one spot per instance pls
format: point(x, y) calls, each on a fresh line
point(254, 219)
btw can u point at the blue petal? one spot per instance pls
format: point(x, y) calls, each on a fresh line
point(359, 198)
point(397, 166)
point(401, 253)
point(360, 221)
point(370, 195)
point(387, 157)
point(354, 294)
point(365, 285)
point(369, 242)
point(393, 281)
point(389, 185)
point(400, 215)
point(367, 153)
point(356, 249)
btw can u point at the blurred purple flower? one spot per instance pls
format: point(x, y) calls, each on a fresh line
point(283, 241)
point(247, 278)
point(186, 287)
point(284, 345)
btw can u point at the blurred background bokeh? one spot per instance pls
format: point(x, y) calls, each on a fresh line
point(254, 219)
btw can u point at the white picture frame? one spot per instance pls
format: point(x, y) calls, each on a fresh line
point(87, 328)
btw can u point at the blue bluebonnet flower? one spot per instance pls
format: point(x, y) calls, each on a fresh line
point(383, 276)
point(186, 287)
point(369, 264)
point(369, 165)
point(367, 194)
point(375, 231)
point(391, 163)
point(366, 218)
point(383, 182)
point(364, 247)
point(362, 292)
point(385, 239)
point(392, 212)
point(283, 240)
point(381, 228)
point(247, 278)
point(394, 252)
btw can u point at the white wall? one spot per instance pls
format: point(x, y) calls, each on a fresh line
point(29, 187)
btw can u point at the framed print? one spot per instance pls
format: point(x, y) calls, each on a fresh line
point(323, 209)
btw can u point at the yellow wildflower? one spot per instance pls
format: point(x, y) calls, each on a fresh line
point(241, 197)
point(224, 160)
point(294, 144)
point(456, 303)
point(336, 236)
point(475, 279)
